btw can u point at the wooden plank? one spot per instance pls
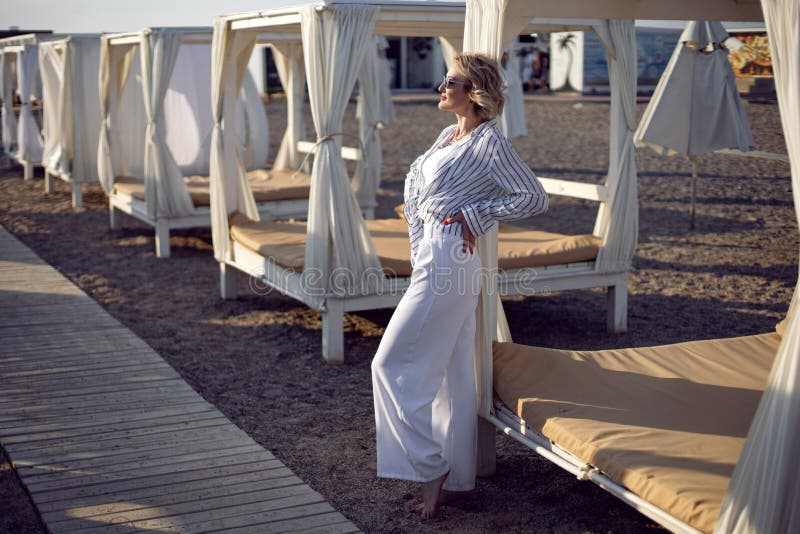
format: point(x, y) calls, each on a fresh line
point(76, 374)
point(219, 505)
point(60, 409)
point(112, 438)
point(237, 476)
point(92, 394)
point(121, 462)
point(106, 431)
point(193, 495)
point(204, 516)
point(122, 488)
point(85, 422)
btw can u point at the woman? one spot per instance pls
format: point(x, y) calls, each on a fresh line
point(423, 376)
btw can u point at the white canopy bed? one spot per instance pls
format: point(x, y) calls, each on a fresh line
point(615, 416)
point(152, 154)
point(71, 116)
point(19, 71)
point(312, 261)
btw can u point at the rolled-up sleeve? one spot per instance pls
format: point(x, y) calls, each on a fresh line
point(524, 194)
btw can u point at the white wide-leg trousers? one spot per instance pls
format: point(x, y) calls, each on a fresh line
point(423, 377)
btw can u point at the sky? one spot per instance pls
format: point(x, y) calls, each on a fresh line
point(94, 16)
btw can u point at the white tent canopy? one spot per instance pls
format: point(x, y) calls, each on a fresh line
point(19, 71)
point(71, 121)
point(174, 84)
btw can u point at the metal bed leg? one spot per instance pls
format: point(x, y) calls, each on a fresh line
point(227, 281)
point(162, 239)
point(617, 301)
point(77, 195)
point(113, 214)
point(48, 182)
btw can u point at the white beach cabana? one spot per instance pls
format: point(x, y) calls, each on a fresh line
point(337, 262)
point(554, 417)
point(696, 108)
point(71, 114)
point(152, 154)
point(19, 71)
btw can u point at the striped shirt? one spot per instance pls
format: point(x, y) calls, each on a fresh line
point(483, 178)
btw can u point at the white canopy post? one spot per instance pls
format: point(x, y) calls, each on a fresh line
point(488, 30)
point(618, 221)
point(385, 87)
point(115, 64)
point(335, 39)
point(367, 178)
point(165, 192)
point(28, 135)
point(229, 188)
point(291, 70)
point(764, 492)
point(9, 122)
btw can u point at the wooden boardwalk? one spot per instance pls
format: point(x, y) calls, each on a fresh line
point(107, 436)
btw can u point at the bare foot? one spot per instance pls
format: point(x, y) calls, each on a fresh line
point(431, 493)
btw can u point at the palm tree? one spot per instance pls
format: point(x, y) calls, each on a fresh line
point(566, 43)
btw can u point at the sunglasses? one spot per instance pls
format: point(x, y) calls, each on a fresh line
point(447, 81)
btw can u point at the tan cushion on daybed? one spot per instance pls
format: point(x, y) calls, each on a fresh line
point(667, 422)
point(266, 186)
point(284, 242)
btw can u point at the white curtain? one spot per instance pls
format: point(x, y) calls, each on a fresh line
point(82, 100)
point(9, 123)
point(255, 125)
point(334, 43)
point(29, 137)
point(488, 30)
point(163, 180)
point(514, 110)
point(618, 225)
point(288, 57)
point(764, 492)
point(113, 73)
point(451, 47)
point(367, 178)
point(230, 191)
point(52, 66)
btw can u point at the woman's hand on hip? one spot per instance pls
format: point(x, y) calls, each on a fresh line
point(469, 237)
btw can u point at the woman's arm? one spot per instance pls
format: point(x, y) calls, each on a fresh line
point(410, 211)
point(524, 196)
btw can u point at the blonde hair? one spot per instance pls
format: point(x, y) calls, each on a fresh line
point(484, 85)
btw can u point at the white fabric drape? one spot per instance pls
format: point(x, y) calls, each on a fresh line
point(338, 244)
point(288, 57)
point(165, 190)
point(29, 138)
point(514, 110)
point(71, 111)
point(113, 73)
point(764, 492)
point(9, 122)
point(255, 125)
point(696, 108)
point(367, 178)
point(451, 47)
point(618, 226)
point(229, 188)
point(488, 29)
point(52, 65)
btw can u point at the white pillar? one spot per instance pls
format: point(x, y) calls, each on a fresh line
point(404, 63)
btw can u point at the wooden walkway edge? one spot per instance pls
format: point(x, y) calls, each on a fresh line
point(107, 436)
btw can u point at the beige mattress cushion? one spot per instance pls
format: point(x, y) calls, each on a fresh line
point(667, 422)
point(284, 242)
point(265, 185)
